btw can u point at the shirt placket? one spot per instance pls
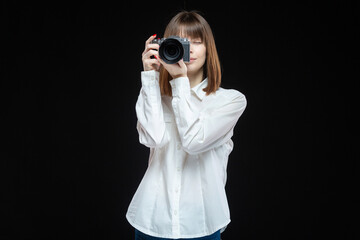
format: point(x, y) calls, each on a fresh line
point(176, 192)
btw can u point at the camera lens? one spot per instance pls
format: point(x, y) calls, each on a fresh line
point(171, 50)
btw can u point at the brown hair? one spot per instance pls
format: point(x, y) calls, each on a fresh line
point(193, 25)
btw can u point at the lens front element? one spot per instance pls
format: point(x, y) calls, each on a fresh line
point(171, 51)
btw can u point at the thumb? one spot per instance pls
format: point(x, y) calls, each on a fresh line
point(181, 63)
point(166, 65)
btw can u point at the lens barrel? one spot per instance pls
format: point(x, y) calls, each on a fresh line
point(171, 50)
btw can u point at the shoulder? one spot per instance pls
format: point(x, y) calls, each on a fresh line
point(228, 97)
point(230, 94)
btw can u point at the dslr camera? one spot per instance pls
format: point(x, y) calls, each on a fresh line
point(173, 49)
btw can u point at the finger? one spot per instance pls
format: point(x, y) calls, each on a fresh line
point(151, 46)
point(160, 60)
point(150, 39)
point(152, 62)
point(150, 53)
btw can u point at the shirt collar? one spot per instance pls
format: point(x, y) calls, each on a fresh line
point(198, 89)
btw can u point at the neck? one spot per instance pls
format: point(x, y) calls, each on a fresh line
point(195, 78)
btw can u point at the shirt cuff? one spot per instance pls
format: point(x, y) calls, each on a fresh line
point(180, 85)
point(149, 78)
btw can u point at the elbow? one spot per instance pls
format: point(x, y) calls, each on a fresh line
point(155, 141)
point(200, 145)
point(191, 151)
point(193, 147)
point(242, 104)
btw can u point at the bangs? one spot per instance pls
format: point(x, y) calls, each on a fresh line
point(187, 25)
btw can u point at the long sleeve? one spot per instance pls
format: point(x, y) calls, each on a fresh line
point(150, 125)
point(212, 125)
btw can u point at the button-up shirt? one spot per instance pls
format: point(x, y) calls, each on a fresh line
point(182, 194)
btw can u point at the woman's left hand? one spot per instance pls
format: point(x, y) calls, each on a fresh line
point(176, 70)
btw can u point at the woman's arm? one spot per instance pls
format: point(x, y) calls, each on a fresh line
point(149, 112)
point(151, 124)
point(210, 127)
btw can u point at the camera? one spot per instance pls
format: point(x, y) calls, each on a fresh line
point(173, 49)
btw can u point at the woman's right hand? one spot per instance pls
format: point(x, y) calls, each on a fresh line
point(151, 49)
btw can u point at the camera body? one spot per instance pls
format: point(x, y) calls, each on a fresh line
point(173, 49)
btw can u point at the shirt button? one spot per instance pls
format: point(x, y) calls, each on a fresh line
point(178, 169)
point(175, 212)
point(176, 190)
point(178, 146)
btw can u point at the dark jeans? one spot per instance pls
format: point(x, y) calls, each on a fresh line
point(142, 236)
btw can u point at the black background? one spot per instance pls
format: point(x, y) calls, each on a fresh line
point(70, 76)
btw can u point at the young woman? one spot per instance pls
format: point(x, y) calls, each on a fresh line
point(187, 121)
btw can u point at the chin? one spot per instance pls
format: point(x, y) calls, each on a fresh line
point(192, 68)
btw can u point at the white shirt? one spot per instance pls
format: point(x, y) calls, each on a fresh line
point(182, 194)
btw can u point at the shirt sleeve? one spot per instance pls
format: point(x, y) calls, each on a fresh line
point(210, 127)
point(149, 112)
